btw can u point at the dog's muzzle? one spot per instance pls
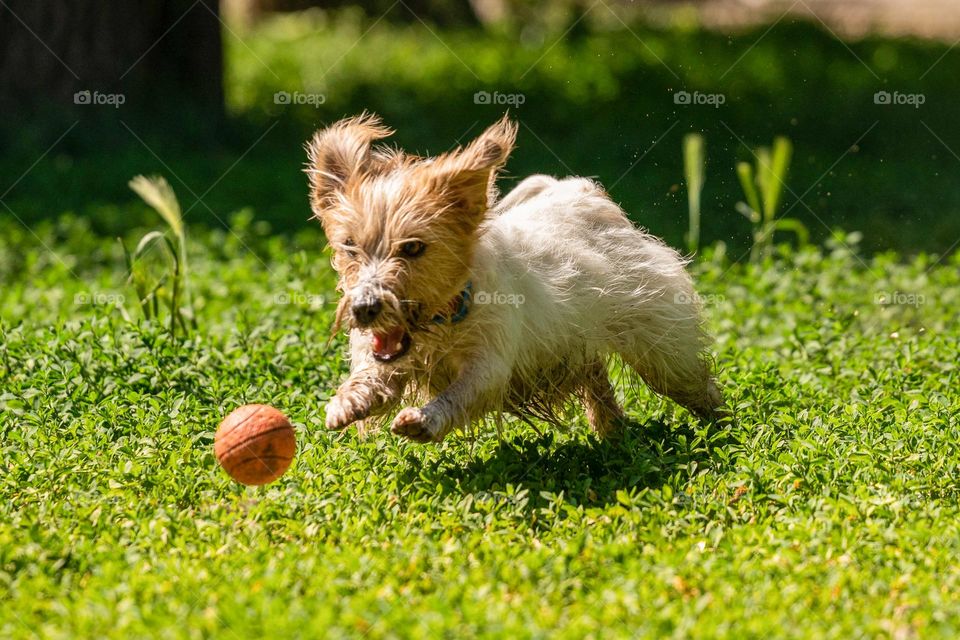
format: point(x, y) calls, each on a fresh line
point(365, 310)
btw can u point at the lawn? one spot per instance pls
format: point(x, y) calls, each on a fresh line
point(829, 510)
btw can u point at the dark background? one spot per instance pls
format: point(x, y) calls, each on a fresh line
point(597, 81)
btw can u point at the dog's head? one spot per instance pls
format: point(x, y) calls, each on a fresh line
point(403, 228)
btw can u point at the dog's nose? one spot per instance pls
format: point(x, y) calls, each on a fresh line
point(366, 310)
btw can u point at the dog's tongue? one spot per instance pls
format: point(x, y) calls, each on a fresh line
point(388, 344)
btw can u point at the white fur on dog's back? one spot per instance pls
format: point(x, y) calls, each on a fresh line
point(591, 284)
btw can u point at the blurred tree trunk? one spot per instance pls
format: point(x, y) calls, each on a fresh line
point(150, 51)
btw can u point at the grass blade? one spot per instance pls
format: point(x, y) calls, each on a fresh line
point(749, 185)
point(145, 243)
point(774, 170)
point(800, 229)
point(157, 193)
point(694, 162)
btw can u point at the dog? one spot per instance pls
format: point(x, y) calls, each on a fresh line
point(465, 306)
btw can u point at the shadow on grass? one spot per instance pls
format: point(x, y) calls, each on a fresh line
point(587, 470)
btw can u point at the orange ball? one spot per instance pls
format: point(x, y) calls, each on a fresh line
point(255, 444)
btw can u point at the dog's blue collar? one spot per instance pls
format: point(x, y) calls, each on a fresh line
point(459, 307)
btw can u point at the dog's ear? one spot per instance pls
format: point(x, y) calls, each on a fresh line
point(468, 176)
point(339, 154)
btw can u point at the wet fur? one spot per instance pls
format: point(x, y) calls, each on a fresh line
point(594, 288)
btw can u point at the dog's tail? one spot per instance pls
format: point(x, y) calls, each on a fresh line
point(529, 188)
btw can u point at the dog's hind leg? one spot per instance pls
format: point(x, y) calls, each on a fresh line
point(674, 366)
point(603, 411)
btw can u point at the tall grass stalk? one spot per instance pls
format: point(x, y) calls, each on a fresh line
point(171, 287)
point(763, 188)
point(694, 164)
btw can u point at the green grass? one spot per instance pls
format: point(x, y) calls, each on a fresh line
point(830, 510)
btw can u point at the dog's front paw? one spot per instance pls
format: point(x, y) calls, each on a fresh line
point(415, 424)
point(342, 411)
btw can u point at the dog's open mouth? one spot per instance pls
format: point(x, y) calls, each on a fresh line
point(391, 344)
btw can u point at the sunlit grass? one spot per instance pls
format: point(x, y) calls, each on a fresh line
point(829, 510)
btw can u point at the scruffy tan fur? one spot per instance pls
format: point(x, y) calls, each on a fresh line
point(561, 282)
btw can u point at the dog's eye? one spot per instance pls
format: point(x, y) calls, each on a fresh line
point(413, 248)
point(348, 247)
